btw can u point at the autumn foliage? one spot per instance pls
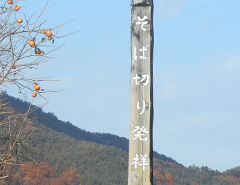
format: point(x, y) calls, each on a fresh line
point(163, 178)
point(43, 174)
point(233, 178)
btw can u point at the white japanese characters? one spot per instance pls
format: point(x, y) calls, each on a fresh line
point(144, 79)
point(144, 48)
point(143, 161)
point(141, 131)
point(143, 109)
point(142, 22)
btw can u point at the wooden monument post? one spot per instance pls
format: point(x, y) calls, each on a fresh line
point(141, 124)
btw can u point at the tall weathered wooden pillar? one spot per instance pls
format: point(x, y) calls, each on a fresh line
point(141, 124)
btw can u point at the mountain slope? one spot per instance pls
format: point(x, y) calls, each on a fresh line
point(100, 164)
point(54, 123)
point(104, 165)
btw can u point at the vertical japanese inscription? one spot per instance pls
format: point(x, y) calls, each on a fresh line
point(140, 142)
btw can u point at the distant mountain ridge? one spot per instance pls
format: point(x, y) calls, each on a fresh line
point(68, 128)
point(100, 159)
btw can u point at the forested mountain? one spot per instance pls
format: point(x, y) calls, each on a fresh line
point(66, 154)
point(51, 121)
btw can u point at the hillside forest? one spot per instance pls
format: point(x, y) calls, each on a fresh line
point(63, 154)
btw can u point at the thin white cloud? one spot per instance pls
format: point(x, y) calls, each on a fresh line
point(165, 9)
point(221, 64)
point(230, 64)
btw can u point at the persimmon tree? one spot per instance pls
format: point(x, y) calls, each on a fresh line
point(24, 44)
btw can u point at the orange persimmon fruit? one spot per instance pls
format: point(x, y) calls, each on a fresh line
point(31, 43)
point(34, 84)
point(20, 20)
point(39, 52)
point(48, 33)
point(44, 31)
point(34, 94)
point(37, 87)
point(17, 8)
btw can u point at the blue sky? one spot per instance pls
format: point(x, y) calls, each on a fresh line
point(196, 74)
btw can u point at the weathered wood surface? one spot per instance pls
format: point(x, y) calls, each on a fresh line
point(142, 64)
point(143, 2)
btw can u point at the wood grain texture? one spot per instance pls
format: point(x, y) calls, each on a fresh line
point(142, 2)
point(141, 93)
